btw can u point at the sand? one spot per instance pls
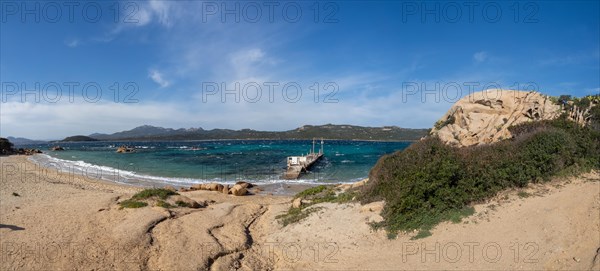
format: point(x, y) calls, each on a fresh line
point(62, 221)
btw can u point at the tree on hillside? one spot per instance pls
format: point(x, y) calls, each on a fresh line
point(6, 146)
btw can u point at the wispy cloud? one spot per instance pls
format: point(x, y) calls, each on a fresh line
point(571, 59)
point(158, 78)
point(72, 43)
point(144, 13)
point(480, 56)
point(80, 117)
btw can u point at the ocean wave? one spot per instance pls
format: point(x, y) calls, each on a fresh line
point(131, 177)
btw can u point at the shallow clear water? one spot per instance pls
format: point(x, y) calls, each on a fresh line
point(189, 162)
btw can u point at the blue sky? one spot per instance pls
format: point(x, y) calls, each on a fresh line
point(171, 61)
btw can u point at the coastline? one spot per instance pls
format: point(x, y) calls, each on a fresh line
point(122, 177)
point(63, 222)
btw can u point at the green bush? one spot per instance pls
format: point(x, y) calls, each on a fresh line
point(164, 204)
point(132, 204)
point(6, 147)
point(181, 203)
point(311, 191)
point(430, 182)
point(154, 192)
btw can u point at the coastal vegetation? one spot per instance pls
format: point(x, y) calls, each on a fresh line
point(154, 192)
point(78, 138)
point(6, 147)
point(328, 131)
point(303, 202)
point(130, 203)
point(159, 197)
point(430, 181)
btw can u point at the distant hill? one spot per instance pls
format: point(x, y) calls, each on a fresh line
point(78, 138)
point(328, 131)
point(24, 141)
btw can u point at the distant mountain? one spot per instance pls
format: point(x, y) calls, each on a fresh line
point(78, 138)
point(24, 141)
point(328, 131)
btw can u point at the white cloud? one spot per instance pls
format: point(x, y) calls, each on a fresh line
point(161, 11)
point(158, 78)
point(480, 56)
point(58, 120)
point(72, 43)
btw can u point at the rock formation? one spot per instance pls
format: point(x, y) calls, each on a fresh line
point(484, 117)
point(239, 189)
point(125, 149)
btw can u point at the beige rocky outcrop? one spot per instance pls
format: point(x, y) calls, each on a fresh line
point(297, 203)
point(484, 117)
point(245, 184)
point(238, 190)
point(214, 187)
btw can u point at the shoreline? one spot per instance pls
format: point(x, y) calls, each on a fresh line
point(113, 175)
point(50, 221)
point(270, 189)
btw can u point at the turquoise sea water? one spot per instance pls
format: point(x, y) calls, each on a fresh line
point(187, 162)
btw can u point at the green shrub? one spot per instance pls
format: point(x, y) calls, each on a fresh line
point(6, 147)
point(296, 214)
point(164, 204)
point(440, 124)
point(523, 194)
point(132, 204)
point(154, 192)
point(430, 182)
point(311, 191)
point(181, 203)
point(315, 195)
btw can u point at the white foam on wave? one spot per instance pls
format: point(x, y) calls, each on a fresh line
point(133, 178)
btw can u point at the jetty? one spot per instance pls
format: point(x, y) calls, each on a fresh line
point(298, 164)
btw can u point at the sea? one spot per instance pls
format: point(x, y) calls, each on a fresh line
point(184, 163)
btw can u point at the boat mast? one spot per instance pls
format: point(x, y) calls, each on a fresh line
point(313, 149)
point(321, 151)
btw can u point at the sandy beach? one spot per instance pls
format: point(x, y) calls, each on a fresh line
point(60, 221)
